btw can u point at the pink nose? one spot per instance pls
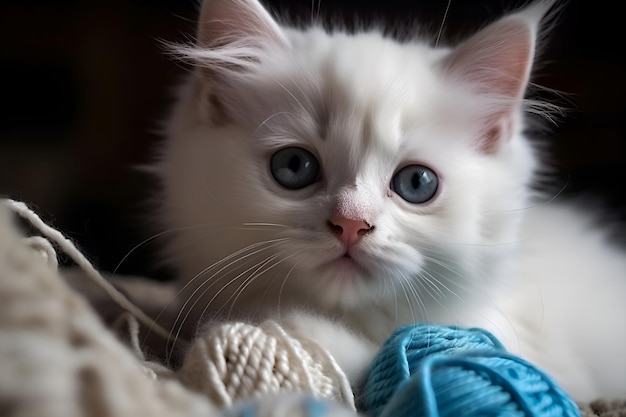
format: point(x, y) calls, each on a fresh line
point(348, 231)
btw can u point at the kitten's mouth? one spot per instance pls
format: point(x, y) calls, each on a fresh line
point(347, 266)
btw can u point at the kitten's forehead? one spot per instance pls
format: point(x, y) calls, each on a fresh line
point(364, 83)
point(366, 70)
point(354, 99)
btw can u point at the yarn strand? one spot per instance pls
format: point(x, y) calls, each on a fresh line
point(69, 248)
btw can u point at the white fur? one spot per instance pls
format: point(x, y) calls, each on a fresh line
point(366, 106)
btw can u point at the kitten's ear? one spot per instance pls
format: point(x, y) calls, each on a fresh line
point(496, 63)
point(234, 36)
point(237, 23)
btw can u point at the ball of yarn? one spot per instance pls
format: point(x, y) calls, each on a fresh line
point(437, 371)
point(401, 355)
point(240, 361)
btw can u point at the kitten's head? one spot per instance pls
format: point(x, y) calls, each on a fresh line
point(344, 168)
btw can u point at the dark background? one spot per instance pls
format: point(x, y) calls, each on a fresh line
point(83, 85)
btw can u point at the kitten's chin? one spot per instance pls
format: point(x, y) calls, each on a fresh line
point(346, 271)
point(345, 282)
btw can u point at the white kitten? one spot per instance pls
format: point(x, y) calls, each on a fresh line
point(377, 183)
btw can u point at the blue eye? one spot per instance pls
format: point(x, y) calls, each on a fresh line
point(415, 184)
point(294, 168)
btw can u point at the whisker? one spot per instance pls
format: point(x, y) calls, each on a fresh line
point(269, 286)
point(269, 244)
point(435, 294)
point(292, 96)
point(443, 22)
point(537, 203)
point(281, 289)
point(406, 295)
point(151, 238)
point(191, 227)
point(444, 265)
point(257, 265)
point(468, 286)
point(260, 271)
point(416, 294)
point(253, 247)
point(306, 96)
point(264, 122)
point(395, 297)
point(190, 282)
point(262, 224)
point(427, 278)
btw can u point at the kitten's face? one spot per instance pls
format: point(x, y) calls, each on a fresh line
point(343, 169)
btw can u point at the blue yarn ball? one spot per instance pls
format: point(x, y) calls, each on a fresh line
point(437, 371)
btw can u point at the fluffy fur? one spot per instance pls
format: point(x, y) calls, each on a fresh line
point(346, 259)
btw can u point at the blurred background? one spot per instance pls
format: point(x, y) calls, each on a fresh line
point(84, 84)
